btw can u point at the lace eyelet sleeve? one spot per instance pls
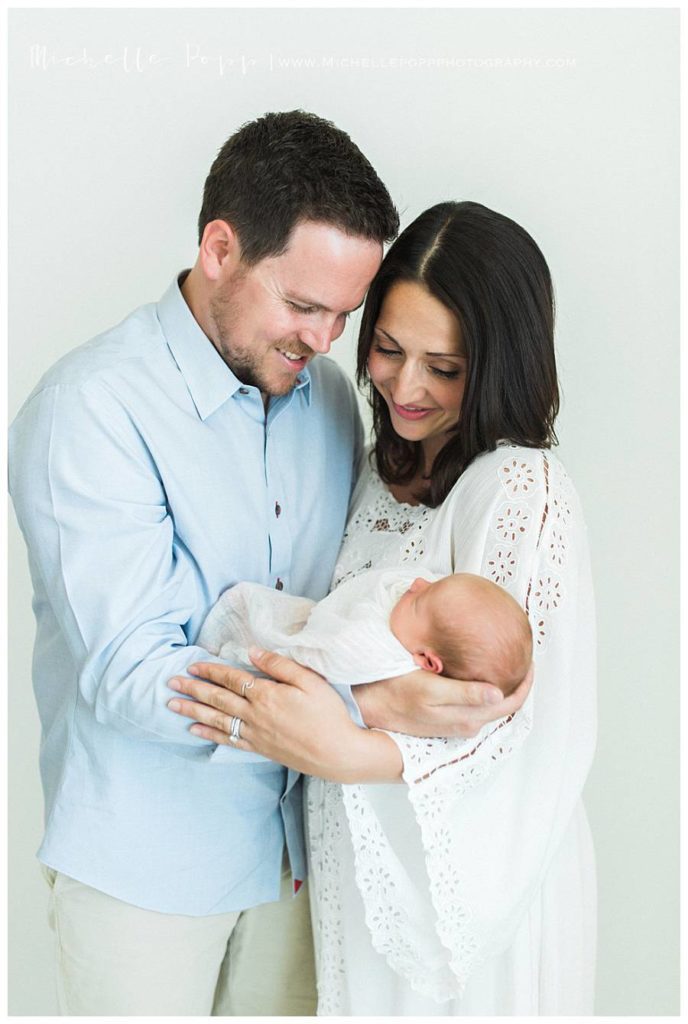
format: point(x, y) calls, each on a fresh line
point(490, 810)
point(500, 541)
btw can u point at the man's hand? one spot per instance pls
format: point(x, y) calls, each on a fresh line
point(298, 720)
point(424, 704)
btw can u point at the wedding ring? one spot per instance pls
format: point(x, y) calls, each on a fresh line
point(246, 685)
point(235, 730)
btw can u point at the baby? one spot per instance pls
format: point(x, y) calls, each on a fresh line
point(380, 624)
point(465, 627)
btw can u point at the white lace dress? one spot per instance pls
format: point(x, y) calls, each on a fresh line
point(470, 888)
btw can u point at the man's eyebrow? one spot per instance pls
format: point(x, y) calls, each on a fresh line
point(443, 355)
point(290, 297)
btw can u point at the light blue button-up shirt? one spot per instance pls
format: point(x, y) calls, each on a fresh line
point(147, 479)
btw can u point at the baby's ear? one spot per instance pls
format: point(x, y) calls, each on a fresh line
point(428, 660)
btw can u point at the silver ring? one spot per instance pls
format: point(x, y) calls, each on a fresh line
point(235, 730)
point(246, 685)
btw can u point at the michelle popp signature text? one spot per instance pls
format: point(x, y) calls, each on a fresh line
point(140, 59)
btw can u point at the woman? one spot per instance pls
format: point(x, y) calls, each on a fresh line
point(469, 890)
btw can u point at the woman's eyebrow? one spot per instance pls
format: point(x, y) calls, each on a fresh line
point(387, 335)
point(447, 355)
point(442, 355)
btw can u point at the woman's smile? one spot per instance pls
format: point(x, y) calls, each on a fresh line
point(411, 412)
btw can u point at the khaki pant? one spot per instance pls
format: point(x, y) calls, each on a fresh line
point(114, 959)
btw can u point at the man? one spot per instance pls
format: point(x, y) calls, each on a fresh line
point(194, 445)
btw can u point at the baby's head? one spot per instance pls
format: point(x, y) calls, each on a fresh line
point(465, 627)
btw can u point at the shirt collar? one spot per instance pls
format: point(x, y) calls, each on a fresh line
point(208, 378)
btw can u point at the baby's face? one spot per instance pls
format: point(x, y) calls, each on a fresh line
point(411, 618)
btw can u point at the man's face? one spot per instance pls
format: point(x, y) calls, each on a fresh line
point(270, 319)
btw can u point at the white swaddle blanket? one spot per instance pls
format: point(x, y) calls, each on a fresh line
point(345, 637)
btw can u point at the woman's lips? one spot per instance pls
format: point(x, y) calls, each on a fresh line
point(410, 412)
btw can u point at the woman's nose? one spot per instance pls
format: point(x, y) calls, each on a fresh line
point(408, 386)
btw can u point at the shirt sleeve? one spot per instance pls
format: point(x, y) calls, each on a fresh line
point(360, 455)
point(121, 586)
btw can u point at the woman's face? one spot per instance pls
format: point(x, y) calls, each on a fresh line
point(418, 363)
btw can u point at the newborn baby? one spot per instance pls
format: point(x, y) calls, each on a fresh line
point(465, 627)
point(380, 624)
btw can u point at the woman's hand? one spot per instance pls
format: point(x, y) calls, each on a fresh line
point(299, 721)
point(424, 704)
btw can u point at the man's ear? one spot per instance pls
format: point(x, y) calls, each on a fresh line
point(428, 660)
point(219, 252)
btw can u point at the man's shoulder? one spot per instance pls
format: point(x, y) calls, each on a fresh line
point(329, 381)
point(136, 338)
point(324, 369)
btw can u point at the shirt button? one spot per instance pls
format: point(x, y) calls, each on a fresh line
point(278, 509)
point(243, 391)
point(279, 585)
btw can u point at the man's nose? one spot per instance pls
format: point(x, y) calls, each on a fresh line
point(320, 337)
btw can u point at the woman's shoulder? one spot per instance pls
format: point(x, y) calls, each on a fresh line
point(513, 473)
point(517, 467)
point(505, 497)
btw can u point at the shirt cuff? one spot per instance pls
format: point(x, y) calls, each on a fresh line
point(346, 693)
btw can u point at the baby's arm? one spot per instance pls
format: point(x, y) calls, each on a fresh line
point(250, 614)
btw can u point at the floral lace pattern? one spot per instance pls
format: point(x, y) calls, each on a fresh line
point(517, 477)
point(512, 521)
point(325, 836)
point(533, 509)
point(378, 520)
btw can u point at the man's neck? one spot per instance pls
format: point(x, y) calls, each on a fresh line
point(193, 294)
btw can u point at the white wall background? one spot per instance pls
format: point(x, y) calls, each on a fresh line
point(107, 164)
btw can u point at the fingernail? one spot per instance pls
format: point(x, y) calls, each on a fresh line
point(196, 730)
point(174, 705)
point(192, 670)
point(493, 696)
point(175, 684)
point(256, 652)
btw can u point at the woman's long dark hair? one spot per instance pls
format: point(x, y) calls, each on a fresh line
point(492, 276)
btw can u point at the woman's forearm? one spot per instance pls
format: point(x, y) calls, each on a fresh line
point(300, 722)
point(375, 757)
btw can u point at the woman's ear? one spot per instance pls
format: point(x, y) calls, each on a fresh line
point(428, 660)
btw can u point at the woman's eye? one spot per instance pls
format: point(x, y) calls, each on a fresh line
point(445, 374)
point(386, 351)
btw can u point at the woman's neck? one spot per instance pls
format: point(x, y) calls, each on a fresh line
point(407, 493)
point(430, 449)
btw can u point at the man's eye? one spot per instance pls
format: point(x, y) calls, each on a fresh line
point(302, 309)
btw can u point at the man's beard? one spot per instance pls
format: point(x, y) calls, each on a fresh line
point(245, 364)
